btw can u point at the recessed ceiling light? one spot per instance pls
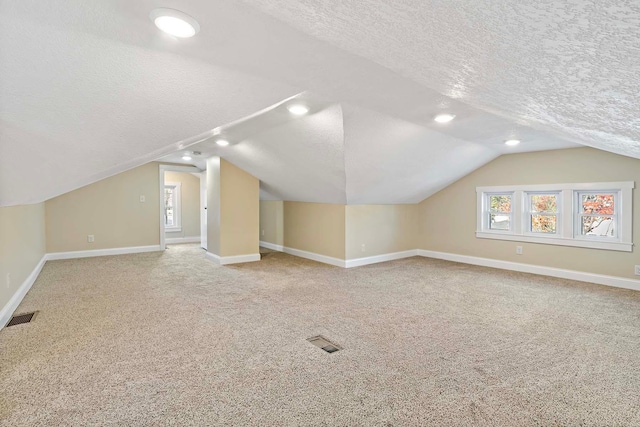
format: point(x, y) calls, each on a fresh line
point(222, 142)
point(444, 118)
point(512, 142)
point(174, 22)
point(186, 157)
point(298, 109)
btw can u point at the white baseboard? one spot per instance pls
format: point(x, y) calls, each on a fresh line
point(179, 240)
point(357, 262)
point(101, 252)
point(236, 259)
point(315, 257)
point(618, 282)
point(273, 246)
point(350, 263)
point(11, 306)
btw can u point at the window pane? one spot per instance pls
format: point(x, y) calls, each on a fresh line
point(544, 203)
point(603, 226)
point(543, 223)
point(499, 222)
point(169, 217)
point(169, 214)
point(500, 203)
point(597, 204)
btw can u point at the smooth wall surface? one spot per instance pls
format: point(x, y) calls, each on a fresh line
point(213, 205)
point(239, 211)
point(448, 218)
point(315, 227)
point(22, 246)
point(382, 229)
point(110, 210)
point(272, 221)
point(190, 203)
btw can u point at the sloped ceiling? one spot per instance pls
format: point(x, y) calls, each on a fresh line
point(340, 153)
point(569, 66)
point(89, 89)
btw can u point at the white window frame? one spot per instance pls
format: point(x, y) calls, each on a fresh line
point(617, 197)
point(567, 231)
point(488, 212)
point(177, 195)
point(528, 213)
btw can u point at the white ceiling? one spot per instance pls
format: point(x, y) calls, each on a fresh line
point(89, 89)
point(339, 153)
point(568, 66)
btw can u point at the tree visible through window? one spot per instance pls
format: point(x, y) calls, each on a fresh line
point(597, 214)
point(544, 213)
point(500, 211)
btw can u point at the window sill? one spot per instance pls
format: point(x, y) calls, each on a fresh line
point(610, 246)
point(172, 229)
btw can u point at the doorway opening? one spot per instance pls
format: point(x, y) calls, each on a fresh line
point(182, 206)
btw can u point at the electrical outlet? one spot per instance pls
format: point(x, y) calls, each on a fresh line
point(637, 270)
point(8, 280)
point(90, 238)
point(142, 199)
point(363, 247)
point(519, 250)
point(263, 232)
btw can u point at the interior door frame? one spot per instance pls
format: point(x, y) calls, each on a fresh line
point(203, 210)
point(162, 169)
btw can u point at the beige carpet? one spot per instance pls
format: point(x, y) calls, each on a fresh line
point(173, 339)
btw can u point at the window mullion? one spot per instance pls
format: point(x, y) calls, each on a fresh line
point(625, 215)
point(566, 214)
point(517, 217)
point(481, 215)
point(613, 232)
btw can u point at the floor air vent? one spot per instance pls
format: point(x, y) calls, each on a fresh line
point(22, 318)
point(325, 344)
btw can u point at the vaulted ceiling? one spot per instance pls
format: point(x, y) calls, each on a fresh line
point(89, 89)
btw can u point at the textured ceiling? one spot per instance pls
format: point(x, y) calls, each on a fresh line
point(569, 66)
point(95, 89)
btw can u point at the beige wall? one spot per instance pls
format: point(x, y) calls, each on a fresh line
point(315, 227)
point(272, 222)
point(110, 210)
point(22, 246)
point(448, 218)
point(189, 203)
point(233, 209)
point(340, 230)
point(239, 211)
point(383, 229)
